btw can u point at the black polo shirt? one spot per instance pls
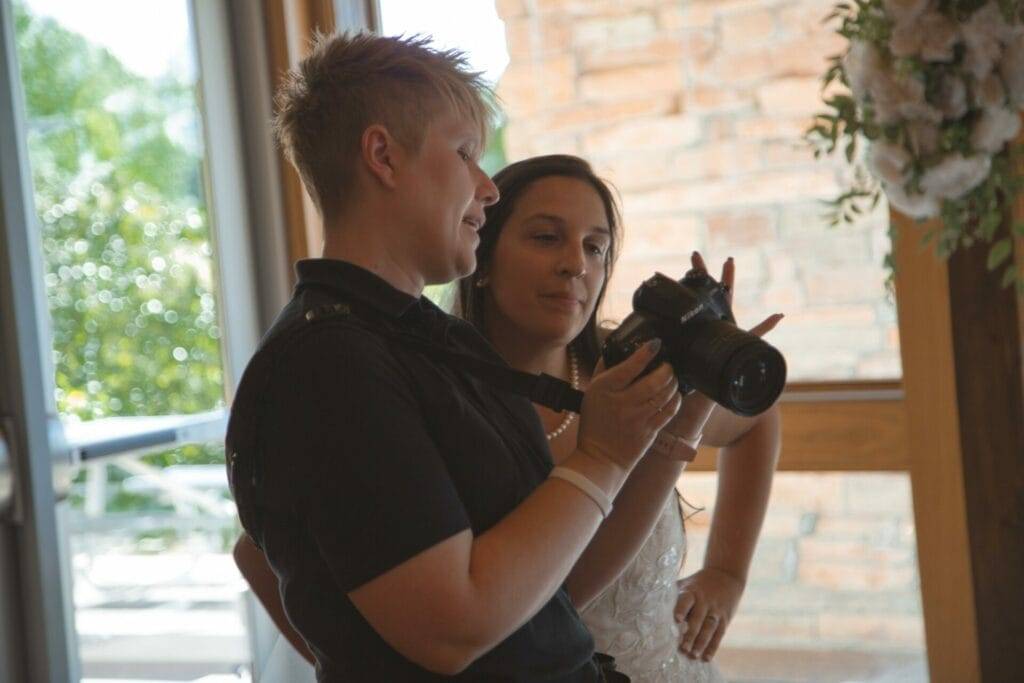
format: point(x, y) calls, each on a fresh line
point(373, 452)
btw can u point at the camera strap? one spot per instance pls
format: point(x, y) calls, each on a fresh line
point(244, 449)
point(547, 390)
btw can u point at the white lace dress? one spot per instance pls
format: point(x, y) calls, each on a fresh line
point(632, 620)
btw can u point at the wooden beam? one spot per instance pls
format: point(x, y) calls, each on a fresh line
point(829, 429)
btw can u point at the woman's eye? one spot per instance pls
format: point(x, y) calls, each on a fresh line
point(545, 237)
point(464, 155)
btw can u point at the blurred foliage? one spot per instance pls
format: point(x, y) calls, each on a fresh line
point(117, 168)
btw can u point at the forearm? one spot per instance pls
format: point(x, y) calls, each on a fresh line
point(252, 564)
point(745, 471)
point(456, 600)
point(637, 510)
point(517, 565)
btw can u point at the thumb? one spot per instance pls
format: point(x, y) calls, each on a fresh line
point(623, 374)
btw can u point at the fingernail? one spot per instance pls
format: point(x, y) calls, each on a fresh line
point(694, 253)
point(654, 346)
point(729, 260)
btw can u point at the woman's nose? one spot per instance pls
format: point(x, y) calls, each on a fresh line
point(486, 191)
point(574, 262)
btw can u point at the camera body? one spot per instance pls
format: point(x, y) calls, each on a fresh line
point(701, 341)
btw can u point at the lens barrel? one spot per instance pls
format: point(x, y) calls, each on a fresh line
point(734, 368)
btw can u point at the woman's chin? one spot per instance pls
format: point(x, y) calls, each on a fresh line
point(558, 332)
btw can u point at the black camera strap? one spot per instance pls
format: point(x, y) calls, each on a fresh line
point(244, 449)
point(547, 390)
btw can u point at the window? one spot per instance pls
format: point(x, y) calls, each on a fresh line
point(132, 148)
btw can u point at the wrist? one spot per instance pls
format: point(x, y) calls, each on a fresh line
point(690, 432)
point(730, 574)
point(599, 468)
point(675, 448)
point(689, 426)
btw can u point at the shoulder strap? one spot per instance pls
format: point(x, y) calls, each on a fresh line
point(244, 452)
point(545, 389)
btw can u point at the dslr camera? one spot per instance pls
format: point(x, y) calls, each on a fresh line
point(701, 341)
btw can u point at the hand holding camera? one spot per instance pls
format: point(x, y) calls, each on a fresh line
point(700, 340)
point(696, 409)
point(624, 409)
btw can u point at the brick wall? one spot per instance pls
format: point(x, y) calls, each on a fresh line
point(835, 567)
point(694, 110)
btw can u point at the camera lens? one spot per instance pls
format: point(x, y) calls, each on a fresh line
point(751, 380)
point(737, 369)
point(755, 377)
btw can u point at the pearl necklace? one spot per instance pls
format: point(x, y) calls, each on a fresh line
point(574, 375)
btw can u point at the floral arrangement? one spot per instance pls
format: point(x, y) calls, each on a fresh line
point(934, 88)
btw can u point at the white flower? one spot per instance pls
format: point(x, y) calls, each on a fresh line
point(939, 37)
point(915, 205)
point(904, 10)
point(994, 128)
point(932, 36)
point(956, 175)
point(989, 92)
point(984, 34)
point(888, 162)
point(906, 40)
point(1011, 68)
point(862, 64)
point(901, 97)
point(952, 97)
point(923, 137)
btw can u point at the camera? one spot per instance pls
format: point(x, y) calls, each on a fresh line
point(701, 341)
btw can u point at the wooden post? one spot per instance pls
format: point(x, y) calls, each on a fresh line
point(960, 336)
point(987, 350)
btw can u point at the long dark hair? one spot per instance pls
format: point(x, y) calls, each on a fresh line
point(512, 181)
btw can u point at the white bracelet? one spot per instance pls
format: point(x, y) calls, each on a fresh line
point(588, 487)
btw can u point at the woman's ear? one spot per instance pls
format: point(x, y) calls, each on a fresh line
point(380, 153)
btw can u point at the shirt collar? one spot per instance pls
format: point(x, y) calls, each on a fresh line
point(351, 280)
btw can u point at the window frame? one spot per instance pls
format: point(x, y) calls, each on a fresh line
point(38, 452)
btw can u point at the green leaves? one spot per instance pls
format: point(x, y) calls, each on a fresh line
point(1009, 277)
point(117, 172)
point(999, 252)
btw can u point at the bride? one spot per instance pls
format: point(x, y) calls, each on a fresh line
point(544, 258)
